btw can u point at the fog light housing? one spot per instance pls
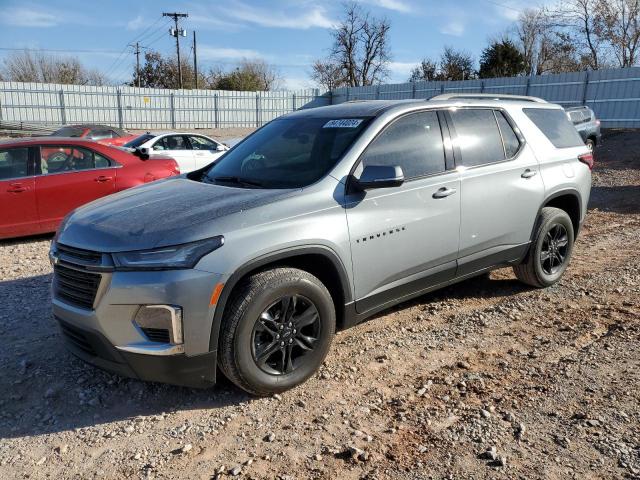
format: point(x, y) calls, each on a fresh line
point(160, 323)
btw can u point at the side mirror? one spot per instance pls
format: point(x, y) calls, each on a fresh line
point(142, 152)
point(221, 148)
point(380, 176)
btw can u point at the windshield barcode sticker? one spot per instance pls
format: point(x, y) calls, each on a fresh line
point(343, 123)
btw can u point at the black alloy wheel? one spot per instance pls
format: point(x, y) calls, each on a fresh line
point(286, 332)
point(554, 249)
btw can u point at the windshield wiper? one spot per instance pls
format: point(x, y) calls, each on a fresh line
point(236, 180)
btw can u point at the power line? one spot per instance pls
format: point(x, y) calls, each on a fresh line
point(509, 7)
point(117, 64)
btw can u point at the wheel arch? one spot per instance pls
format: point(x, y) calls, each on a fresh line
point(568, 200)
point(318, 260)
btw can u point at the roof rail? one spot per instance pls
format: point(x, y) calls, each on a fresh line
point(487, 96)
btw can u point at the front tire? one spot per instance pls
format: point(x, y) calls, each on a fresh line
point(276, 331)
point(550, 250)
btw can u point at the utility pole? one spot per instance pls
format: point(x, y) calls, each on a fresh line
point(195, 61)
point(177, 32)
point(137, 53)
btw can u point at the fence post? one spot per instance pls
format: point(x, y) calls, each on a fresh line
point(378, 92)
point(442, 88)
point(413, 89)
point(257, 110)
point(216, 119)
point(294, 100)
point(119, 102)
point(63, 113)
point(348, 94)
point(172, 110)
point(526, 90)
point(584, 88)
point(482, 86)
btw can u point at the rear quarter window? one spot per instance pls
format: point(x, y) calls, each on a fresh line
point(555, 125)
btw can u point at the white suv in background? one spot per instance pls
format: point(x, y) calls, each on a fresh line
point(190, 150)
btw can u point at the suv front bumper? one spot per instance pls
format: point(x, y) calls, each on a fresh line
point(91, 346)
point(107, 336)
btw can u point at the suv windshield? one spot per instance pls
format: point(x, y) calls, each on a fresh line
point(136, 142)
point(287, 153)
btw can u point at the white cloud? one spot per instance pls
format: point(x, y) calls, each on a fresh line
point(298, 83)
point(136, 23)
point(310, 18)
point(396, 5)
point(28, 17)
point(455, 28)
point(400, 71)
point(220, 53)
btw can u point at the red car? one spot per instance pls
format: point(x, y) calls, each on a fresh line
point(98, 133)
point(43, 179)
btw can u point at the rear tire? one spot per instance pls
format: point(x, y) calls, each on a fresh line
point(276, 331)
point(591, 144)
point(550, 249)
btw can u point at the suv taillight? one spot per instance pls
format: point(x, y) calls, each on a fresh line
point(587, 159)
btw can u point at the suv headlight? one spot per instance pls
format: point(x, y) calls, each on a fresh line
point(186, 255)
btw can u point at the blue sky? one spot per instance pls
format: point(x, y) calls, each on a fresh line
point(289, 34)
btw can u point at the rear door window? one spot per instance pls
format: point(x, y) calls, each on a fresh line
point(14, 163)
point(172, 142)
point(509, 137)
point(413, 142)
point(478, 136)
point(555, 125)
point(61, 159)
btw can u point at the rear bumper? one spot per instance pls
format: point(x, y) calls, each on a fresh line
point(197, 371)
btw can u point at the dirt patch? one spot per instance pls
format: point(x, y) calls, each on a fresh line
point(484, 379)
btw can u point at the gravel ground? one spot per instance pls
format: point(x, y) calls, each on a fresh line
point(484, 379)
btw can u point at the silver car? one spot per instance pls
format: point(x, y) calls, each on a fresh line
point(313, 223)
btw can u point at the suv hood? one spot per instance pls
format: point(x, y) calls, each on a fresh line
point(168, 212)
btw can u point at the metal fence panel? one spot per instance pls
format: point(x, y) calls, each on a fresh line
point(613, 94)
point(147, 108)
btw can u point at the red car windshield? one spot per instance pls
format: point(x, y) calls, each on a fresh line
point(69, 132)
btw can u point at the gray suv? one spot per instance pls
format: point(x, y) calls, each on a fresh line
point(313, 223)
point(587, 125)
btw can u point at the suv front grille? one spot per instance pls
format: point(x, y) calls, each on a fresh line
point(75, 287)
point(77, 255)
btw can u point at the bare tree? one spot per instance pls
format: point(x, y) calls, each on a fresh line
point(578, 17)
point(250, 75)
point(426, 71)
point(328, 74)
point(531, 29)
point(361, 47)
point(29, 66)
point(456, 65)
point(268, 75)
point(618, 23)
